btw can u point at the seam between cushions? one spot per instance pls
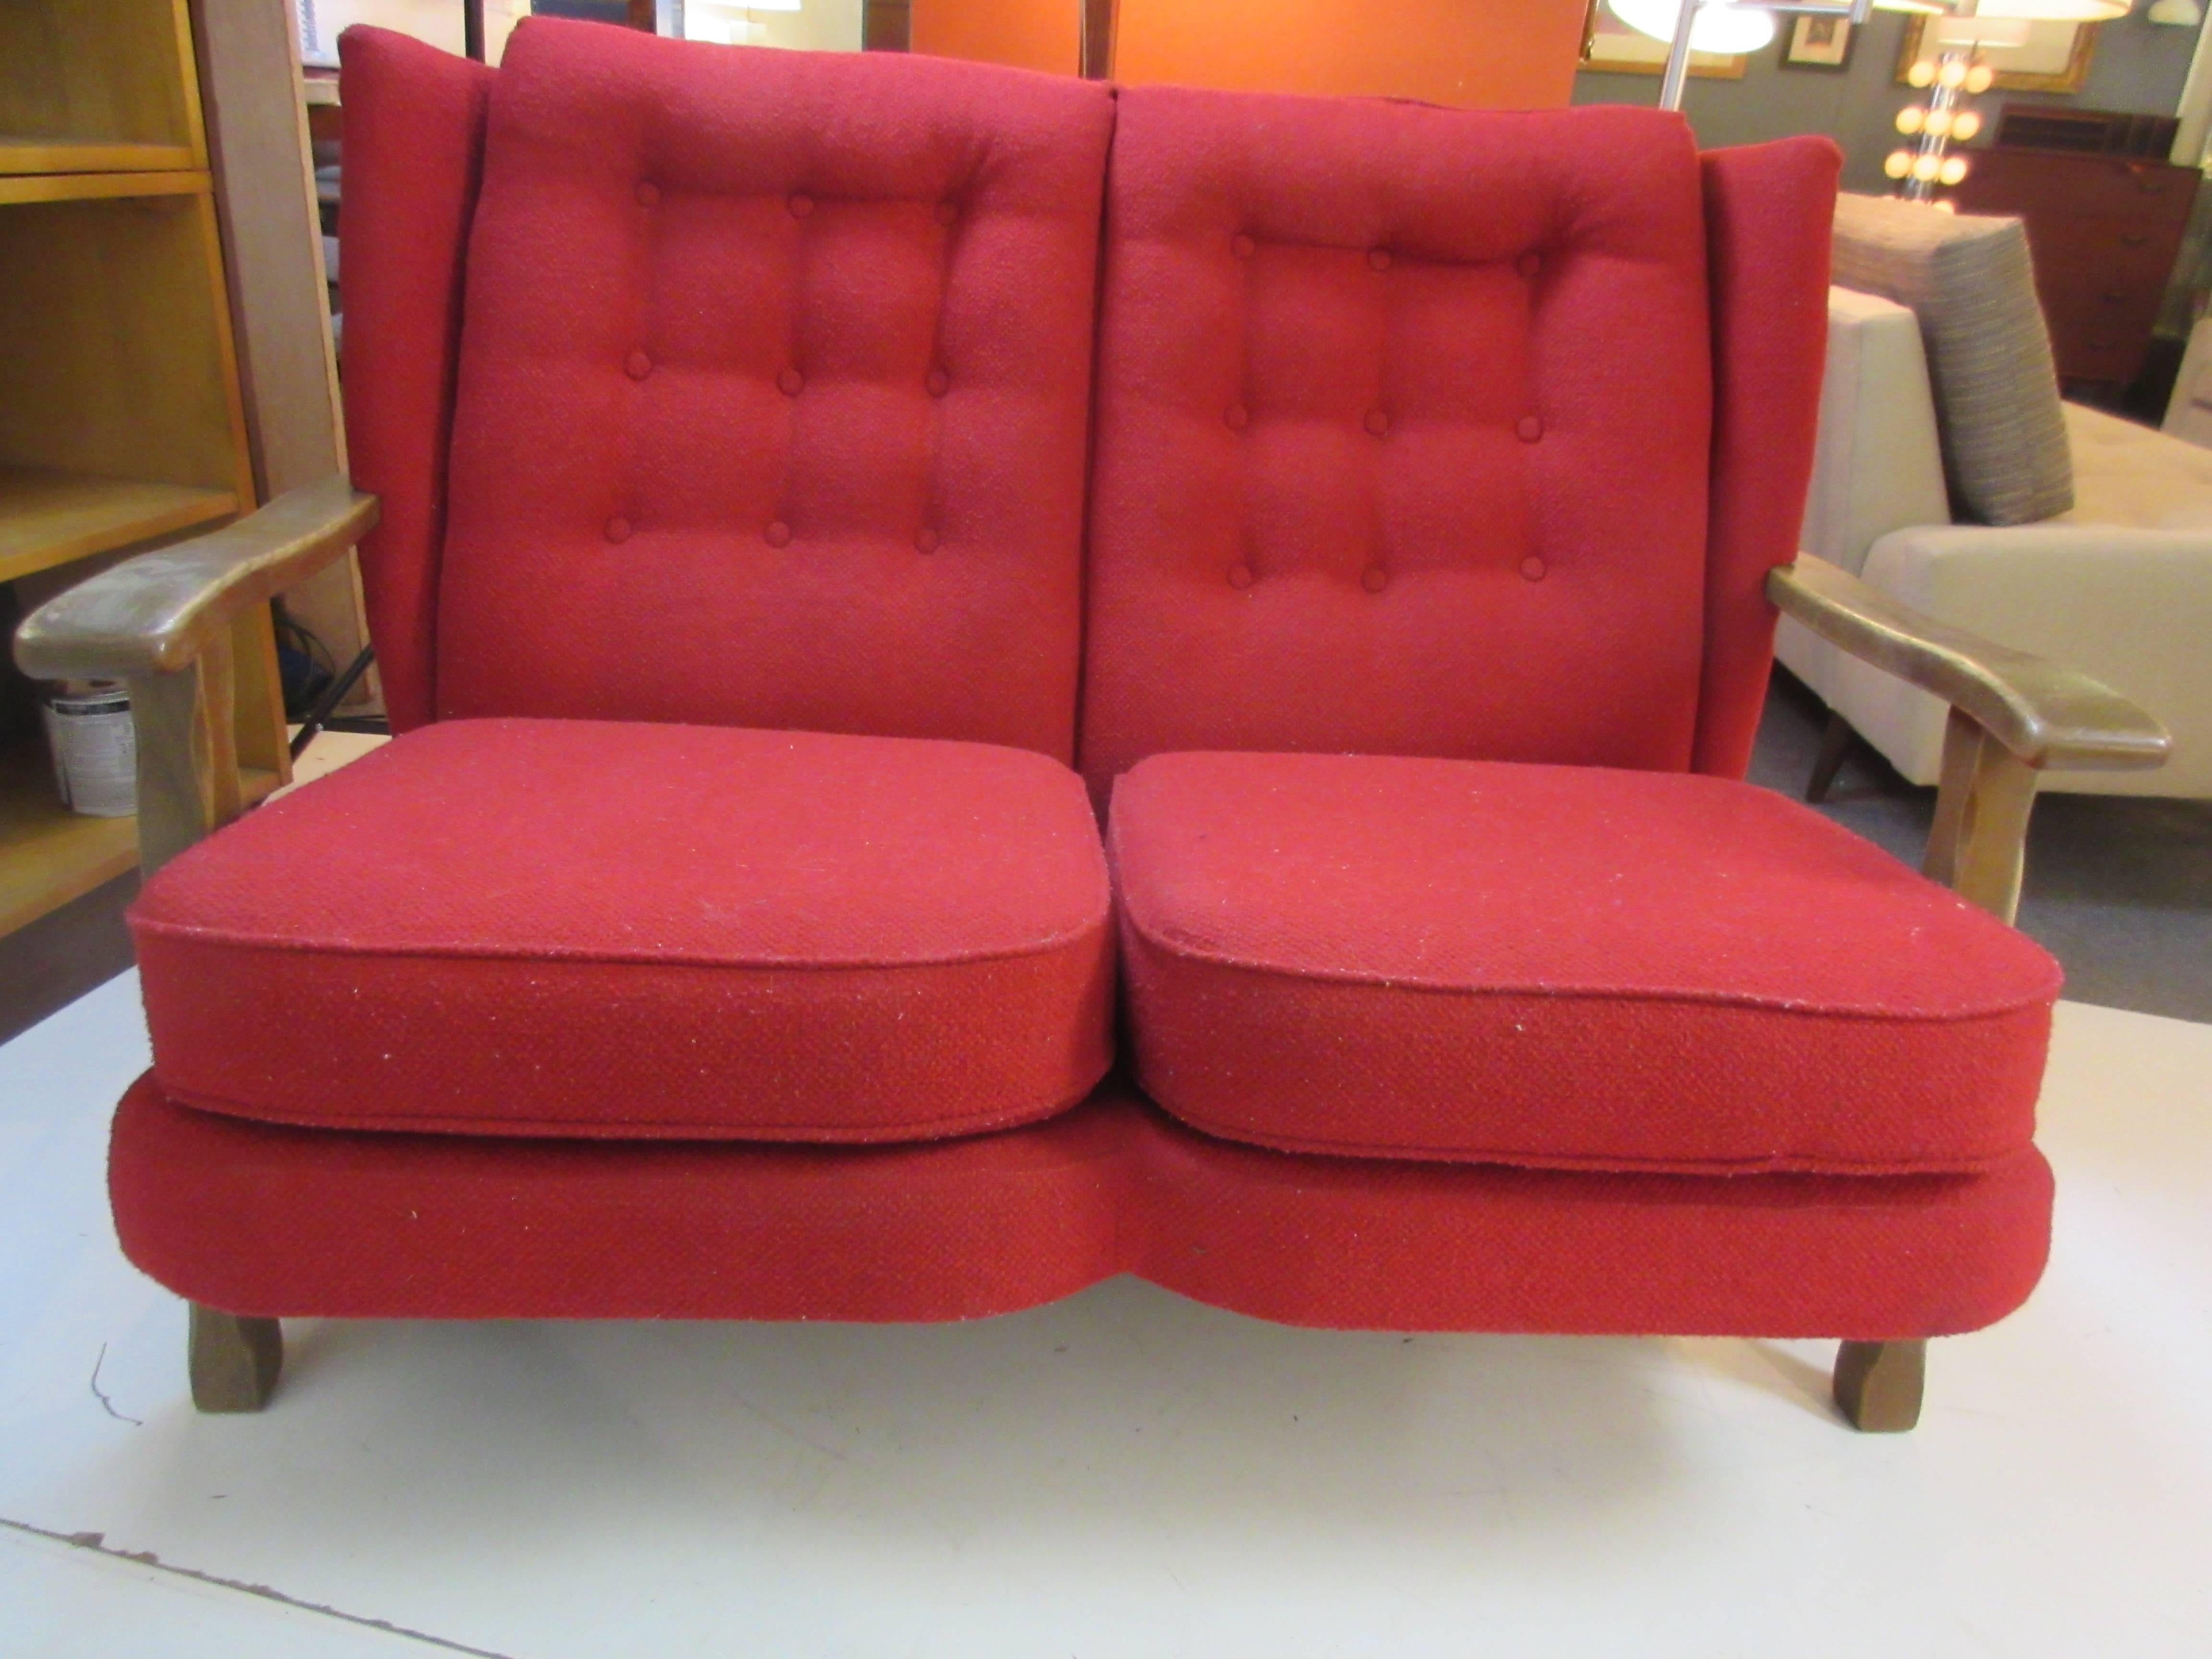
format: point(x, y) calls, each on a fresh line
point(592, 1129)
point(1591, 1163)
point(184, 933)
point(1168, 947)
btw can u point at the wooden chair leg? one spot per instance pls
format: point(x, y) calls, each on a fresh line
point(1879, 1385)
point(1835, 746)
point(235, 1359)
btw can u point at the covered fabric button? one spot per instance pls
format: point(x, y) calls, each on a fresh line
point(1241, 246)
point(1529, 263)
point(801, 204)
point(779, 534)
point(1529, 428)
point(1374, 579)
point(618, 529)
point(789, 381)
point(946, 213)
point(637, 365)
point(1376, 421)
point(1236, 417)
point(1378, 258)
point(1240, 575)
point(1533, 569)
point(937, 382)
point(647, 194)
point(925, 539)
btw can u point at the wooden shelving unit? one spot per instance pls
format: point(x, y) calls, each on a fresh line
point(121, 423)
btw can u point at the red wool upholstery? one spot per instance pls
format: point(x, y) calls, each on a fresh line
point(1559, 967)
point(773, 391)
point(414, 143)
point(1769, 211)
point(1403, 431)
point(582, 928)
point(269, 1220)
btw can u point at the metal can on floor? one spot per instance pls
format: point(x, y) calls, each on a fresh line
point(94, 748)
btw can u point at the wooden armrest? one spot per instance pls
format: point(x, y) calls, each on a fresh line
point(2047, 715)
point(156, 613)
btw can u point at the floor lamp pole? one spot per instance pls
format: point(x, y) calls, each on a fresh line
point(1678, 58)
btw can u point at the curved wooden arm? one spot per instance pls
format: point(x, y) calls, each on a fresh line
point(156, 613)
point(2047, 715)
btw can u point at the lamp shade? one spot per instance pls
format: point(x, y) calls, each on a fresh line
point(1721, 25)
point(2055, 11)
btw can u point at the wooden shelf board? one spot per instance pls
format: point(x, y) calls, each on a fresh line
point(49, 518)
point(89, 186)
point(49, 854)
point(38, 152)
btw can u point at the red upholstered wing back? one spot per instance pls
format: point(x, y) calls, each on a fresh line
point(1405, 431)
point(772, 392)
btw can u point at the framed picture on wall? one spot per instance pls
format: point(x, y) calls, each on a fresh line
point(1610, 47)
point(2055, 59)
point(1818, 42)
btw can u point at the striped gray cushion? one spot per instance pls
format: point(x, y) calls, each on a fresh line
point(1970, 283)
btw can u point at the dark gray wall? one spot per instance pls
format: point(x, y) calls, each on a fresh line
point(2139, 67)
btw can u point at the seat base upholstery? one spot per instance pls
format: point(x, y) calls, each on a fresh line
point(1559, 967)
point(598, 928)
point(275, 1221)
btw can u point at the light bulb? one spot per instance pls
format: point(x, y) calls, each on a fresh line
point(1939, 121)
point(1925, 168)
point(1922, 74)
point(1980, 78)
point(1953, 169)
point(1952, 75)
point(1965, 124)
point(1911, 119)
point(1944, 204)
point(1898, 163)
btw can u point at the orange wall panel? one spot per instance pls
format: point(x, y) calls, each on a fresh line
point(1483, 54)
point(1038, 34)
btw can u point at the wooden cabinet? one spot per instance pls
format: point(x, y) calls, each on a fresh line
point(2104, 230)
point(121, 421)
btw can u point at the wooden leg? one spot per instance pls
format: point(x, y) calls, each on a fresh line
point(1878, 1385)
point(1835, 745)
point(234, 1360)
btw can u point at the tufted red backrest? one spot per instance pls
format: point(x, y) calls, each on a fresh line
point(772, 392)
point(1405, 428)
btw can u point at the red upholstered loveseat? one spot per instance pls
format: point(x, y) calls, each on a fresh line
point(819, 495)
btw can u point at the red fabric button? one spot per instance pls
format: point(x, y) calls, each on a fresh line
point(925, 539)
point(790, 382)
point(1529, 263)
point(1377, 423)
point(1533, 569)
point(779, 534)
point(946, 213)
point(648, 195)
point(637, 365)
point(939, 382)
point(1240, 575)
point(1529, 428)
point(801, 204)
point(1378, 258)
point(1241, 247)
point(1236, 416)
point(1374, 579)
point(618, 529)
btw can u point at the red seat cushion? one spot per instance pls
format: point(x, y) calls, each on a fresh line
point(588, 928)
point(1559, 966)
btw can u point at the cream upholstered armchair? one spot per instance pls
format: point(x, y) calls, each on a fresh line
point(2119, 587)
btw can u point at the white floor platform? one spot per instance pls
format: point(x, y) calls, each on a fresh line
point(1125, 1473)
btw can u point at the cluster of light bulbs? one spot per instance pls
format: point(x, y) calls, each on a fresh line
point(1939, 123)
